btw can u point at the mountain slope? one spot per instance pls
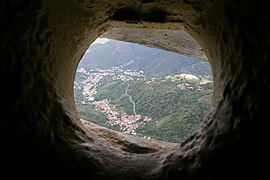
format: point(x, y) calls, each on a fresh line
point(153, 62)
point(171, 104)
point(142, 91)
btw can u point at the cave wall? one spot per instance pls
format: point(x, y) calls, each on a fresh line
point(178, 41)
point(41, 134)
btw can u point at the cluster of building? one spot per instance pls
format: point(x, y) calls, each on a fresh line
point(127, 123)
point(89, 85)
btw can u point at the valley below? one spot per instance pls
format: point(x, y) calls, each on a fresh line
point(166, 104)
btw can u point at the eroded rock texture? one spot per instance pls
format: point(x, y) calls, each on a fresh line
point(42, 136)
point(177, 41)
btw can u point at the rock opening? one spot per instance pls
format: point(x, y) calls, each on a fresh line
point(41, 134)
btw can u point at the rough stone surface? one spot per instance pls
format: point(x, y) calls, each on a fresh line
point(178, 41)
point(42, 136)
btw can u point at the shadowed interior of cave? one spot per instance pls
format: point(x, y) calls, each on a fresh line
point(41, 134)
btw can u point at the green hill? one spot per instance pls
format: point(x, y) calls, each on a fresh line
point(176, 113)
point(173, 106)
point(142, 91)
point(153, 62)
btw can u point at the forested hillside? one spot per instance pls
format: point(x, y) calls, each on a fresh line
point(164, 104)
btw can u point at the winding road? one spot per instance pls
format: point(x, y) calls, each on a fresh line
point(131, 100)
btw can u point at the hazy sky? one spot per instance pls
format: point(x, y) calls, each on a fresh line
point(100, 41)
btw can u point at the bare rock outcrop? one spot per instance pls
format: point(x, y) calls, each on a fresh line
point(178, 41)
